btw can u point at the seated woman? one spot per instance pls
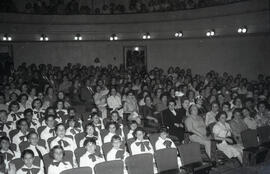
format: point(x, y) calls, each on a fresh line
point(49, 130)
point(131, 107)
point(51, 111)
point(100, 98)
point(210, 117)
point(222, 132)
point(141, 144)
point(74, 127)
point(38, 150)
point(197, 128)
point(7, 153)
point(61, 138)
point(149, 113)
point(112, 127)
point(57, 153)
point(164, 142)
point(115, 102)
point(237, 125)
point(91, 132)
point(28, 167)
point(23, 127)
point(173, 120)
point(90, 158)
point(248, 119)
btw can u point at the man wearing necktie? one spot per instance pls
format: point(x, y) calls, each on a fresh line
point(86, 95)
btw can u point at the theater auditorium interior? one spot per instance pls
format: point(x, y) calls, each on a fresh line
point(134, 87)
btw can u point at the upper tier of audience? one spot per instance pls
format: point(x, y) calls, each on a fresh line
point(112, 7)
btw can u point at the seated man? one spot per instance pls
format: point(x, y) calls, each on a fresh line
point(196, 126)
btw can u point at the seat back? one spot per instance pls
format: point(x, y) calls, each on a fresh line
point(13, 147)
point(49, 141)
point(23, 145)
point(47, 161)
point(103, 133)
point(79, 153)
point(141, 163)
point(129, 142)
point(264, 134)
point(12, 133)
point(166, 159)
point(190, 153)
point(110, 167)
point(249, 138)
point(40, 129)
point(68, 156)
point(79, 137)
point(80, 170)
point(153, 139)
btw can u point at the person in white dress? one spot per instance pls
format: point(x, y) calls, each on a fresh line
point(5, 126)
point(28, 167)
point(23, 127)
point(61, 139)
point(164, 142)
point(211, 115)
point(90, 158)
point(222, 132)
point(112, 127)
point(116, 153)
point(38, 150)
point(34, 123)
point(141, 144)
point(14, 114)
point(58, 165)
point(132, 127)
point(49, 130)
point(91, 132)
point(74, 127)
point(114, 101)
point(6, 152)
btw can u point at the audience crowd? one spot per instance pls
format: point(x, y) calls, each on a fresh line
point(80, 107)
point(108, 7)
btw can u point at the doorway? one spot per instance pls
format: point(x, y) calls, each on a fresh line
point(135, 58)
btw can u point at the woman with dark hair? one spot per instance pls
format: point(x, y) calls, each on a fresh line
point(237, 125)
point(223, 133)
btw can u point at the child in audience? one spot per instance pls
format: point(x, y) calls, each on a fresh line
point(141, 144)
point(73, 127)
point(28, 167)
point(61, 111)
point(49, 131)
point(14, 114)
point(132, 127)
point(38, 150)
point(58, 165)
point(61, 138)
point(90, 159)
point(38, 112)
point(164, 142)
point(33, 121)
point(97, 121)
point(5, 126)
point(116, 153)
point(51, 111)
point(91, 133)
point(7, 153)
point(112, 128)
point(23, 127)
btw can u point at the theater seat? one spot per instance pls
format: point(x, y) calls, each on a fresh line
point(79, 137)
point(110, 167)
point(80, 170)
point(166, 159)
point(140, 164)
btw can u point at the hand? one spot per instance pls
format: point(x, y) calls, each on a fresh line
point(176, 125)
point(229, 140)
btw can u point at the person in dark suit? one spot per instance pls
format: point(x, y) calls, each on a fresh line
point(86, 95)
point(173, 120)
